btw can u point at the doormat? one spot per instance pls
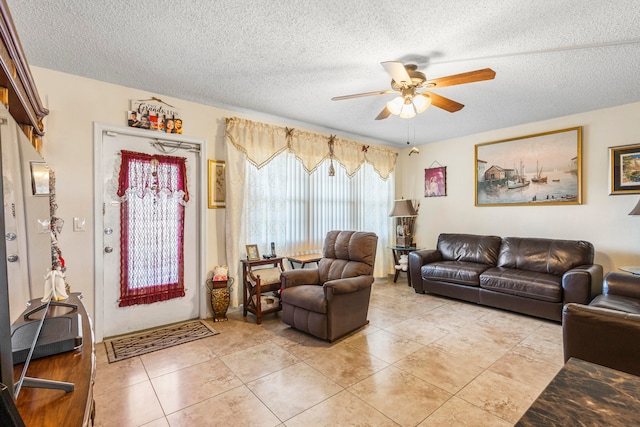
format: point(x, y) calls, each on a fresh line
point(128, 346)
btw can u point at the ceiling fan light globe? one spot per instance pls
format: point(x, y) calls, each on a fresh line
point(395, 105)
point(421, 102)
point(408, 111)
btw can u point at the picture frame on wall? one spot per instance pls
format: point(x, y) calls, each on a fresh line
point(217, 184)
point(435, 182)
point(252, 252)
point(533, 170)
point(39, 178)
point(625, 169)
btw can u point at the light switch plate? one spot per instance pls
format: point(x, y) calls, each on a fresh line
point(79, 224)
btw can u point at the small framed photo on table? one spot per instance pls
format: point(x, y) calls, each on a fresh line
point(252, 252)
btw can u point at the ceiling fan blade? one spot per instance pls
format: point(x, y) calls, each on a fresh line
point(360, 95)
point(383, 114)
point(445, 103)
point(459, 79)
point(397, 71)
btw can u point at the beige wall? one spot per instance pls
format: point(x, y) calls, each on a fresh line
point(601, 219)
point(75, 103)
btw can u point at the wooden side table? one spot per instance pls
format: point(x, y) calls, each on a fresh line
point(304, 260)
point(397, 252)
point(259, 277)
point(634, 269)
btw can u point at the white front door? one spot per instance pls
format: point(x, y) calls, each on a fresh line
point(118, 320)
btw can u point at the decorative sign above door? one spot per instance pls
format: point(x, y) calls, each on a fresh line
point(154, 114)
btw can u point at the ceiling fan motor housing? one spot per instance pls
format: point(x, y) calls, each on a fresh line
point(417, 78)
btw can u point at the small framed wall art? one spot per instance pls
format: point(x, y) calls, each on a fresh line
point(435, 182)
point(217, 184)
point(625, 169)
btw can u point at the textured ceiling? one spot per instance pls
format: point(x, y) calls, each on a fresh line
point(287, 59)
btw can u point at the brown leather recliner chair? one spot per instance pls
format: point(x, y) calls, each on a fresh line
point(332, 300)
point(607, 331)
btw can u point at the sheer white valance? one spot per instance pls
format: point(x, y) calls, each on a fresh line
point(261, 142)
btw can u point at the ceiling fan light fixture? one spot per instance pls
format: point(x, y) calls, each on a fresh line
point(395, 105)
point(421, 102)
point(408, 110)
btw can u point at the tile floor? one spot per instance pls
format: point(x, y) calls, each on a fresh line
point(422, 361)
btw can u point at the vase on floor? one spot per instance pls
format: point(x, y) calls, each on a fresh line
point(220, 298)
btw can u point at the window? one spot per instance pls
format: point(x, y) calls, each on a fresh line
point(294, 209)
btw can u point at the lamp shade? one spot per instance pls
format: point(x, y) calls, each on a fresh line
point(395, 105)
point(403, 207)
point(636, 210)
point(421, 102)
point(408, 110)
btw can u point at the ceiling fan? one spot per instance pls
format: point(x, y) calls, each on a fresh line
point(409, 82)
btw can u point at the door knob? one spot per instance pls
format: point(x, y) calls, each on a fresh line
point(108, 249)
point(108, 231)
point(10, 236)
point(12, 258)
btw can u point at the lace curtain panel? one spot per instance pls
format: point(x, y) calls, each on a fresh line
point(153, 190)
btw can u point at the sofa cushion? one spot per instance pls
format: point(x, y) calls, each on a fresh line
point(460, 272)
point(469, 248)
point(544, 255)
point(617, 302)
point(523, 283)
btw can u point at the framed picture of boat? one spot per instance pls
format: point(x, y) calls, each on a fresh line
point(625, 169)
point(539, 169)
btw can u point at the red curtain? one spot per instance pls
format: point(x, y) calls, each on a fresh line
point(154, 191)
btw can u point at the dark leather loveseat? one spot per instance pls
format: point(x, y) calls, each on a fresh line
point(527, 275)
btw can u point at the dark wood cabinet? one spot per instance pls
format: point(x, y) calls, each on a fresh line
point(57, 408)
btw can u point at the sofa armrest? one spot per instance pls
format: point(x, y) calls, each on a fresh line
point(625, 285)
point(581, 284)
point(416, 260)
point(602, 336)
point(348, 285)
point(305, 276)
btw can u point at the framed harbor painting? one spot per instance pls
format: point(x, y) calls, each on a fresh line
point(625, 169)
point(539, 169)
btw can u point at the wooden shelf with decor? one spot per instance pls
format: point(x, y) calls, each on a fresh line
point(259, 278)
point(17, 89)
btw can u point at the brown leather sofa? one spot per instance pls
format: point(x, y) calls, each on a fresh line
point(607, 331)
point(332, 300)
point(527, 275)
